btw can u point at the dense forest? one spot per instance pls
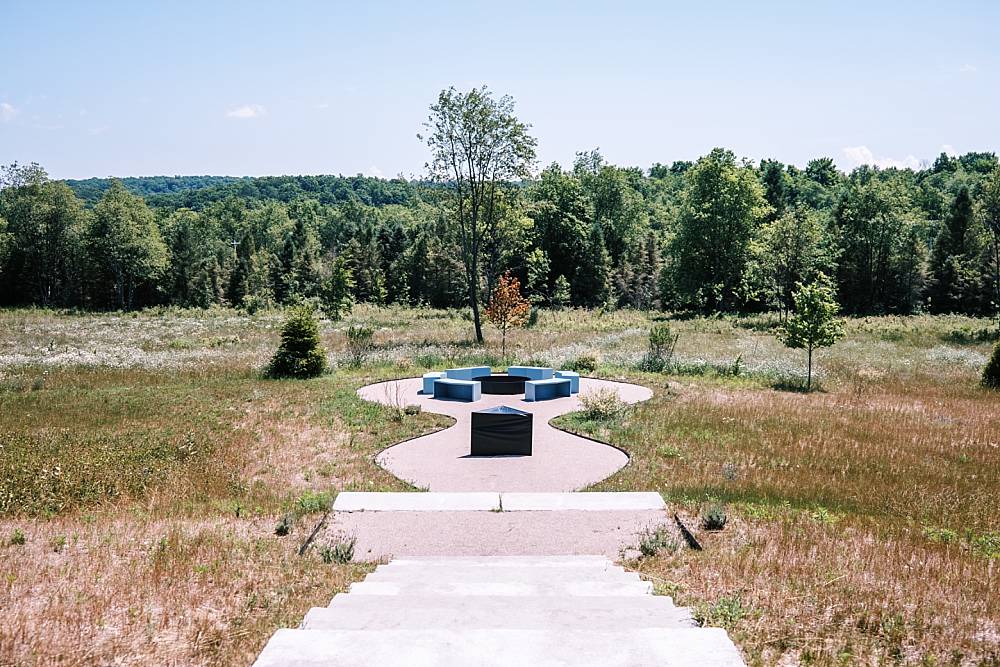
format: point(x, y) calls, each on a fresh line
point(717, 234)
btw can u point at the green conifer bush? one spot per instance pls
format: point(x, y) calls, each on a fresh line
point(301, 353)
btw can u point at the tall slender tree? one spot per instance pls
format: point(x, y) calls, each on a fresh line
point(991, 220)
point(478, 146)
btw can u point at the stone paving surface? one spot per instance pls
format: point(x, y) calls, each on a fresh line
point(465, 533)
point(441, 462)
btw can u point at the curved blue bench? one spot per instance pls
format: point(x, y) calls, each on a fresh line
point(574, 379)
point(542, 390)
point(531, 372)
point(429, 379)
point(467, 373)
point(462, 390)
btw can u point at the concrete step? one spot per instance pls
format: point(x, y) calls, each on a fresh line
point(598, 501)
point(663, 647)
point(460, 574)
point(501, 561)
point(413, 604)
point(478, 501)
point(373, 501)
point(499, 614)
point(571, 588)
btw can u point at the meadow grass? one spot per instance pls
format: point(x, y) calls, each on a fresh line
point(145, 464)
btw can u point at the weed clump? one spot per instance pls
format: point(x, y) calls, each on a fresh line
point(312, 502)
point(360, 342)
point(301, 353)
point(653, 541)
point(340, 552)
point(725, 612)
point(602, 405)
point(17, 538)
point(662, 342)
point(284, 526)
point(991, 374)
point(584, 364)
point(714, 518)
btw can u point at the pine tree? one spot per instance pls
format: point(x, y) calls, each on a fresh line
point(991, 373)
point(338, 290)
point(560, 292)
point(954, 284)
point(301, 353)
point(591, 282)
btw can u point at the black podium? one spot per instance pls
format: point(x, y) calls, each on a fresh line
point(501, 431)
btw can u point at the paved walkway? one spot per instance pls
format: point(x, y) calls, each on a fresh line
point(469, 524)
point(559, 462)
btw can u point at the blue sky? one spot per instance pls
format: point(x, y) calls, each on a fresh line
point(296, 87)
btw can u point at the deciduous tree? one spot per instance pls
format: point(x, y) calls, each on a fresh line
point(507, 308)
point(124, 248)
point(723, 203)
point(814, 322)
point(478, 147)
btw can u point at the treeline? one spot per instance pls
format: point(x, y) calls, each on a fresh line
point(718, 234)
point(198, 191)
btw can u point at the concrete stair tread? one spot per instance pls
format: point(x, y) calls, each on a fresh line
point(544, 611)
point(664, 647)
point(500, 561)
point(416, 603)
point(569, 588)
point(513, 615)
point(462, 574)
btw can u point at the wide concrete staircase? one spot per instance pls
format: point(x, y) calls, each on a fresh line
point(514, 610)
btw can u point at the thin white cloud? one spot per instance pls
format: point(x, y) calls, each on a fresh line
point(949, 150)
point(859, 155)
point(373, 171)
point(323, 105)
point(968, 67)
point(95, 131)
point(247, 111)
point(7, 112)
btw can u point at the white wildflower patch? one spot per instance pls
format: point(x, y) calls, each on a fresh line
point(944, 354)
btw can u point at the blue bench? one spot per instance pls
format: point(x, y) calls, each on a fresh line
point(541, 390)
point(462, 390)
point(531, 372)
point(429, 379)
point(467, 373)
point(574, 380)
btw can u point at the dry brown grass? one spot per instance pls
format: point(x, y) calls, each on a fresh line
point(793, 589)
point(117, 589)
point(148, 502)
point(865, 525)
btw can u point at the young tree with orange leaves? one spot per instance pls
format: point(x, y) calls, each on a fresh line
point(507, 308)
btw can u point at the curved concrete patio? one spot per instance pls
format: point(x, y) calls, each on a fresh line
point(440, 461)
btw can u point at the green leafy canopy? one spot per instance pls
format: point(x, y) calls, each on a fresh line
point(814, 323)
